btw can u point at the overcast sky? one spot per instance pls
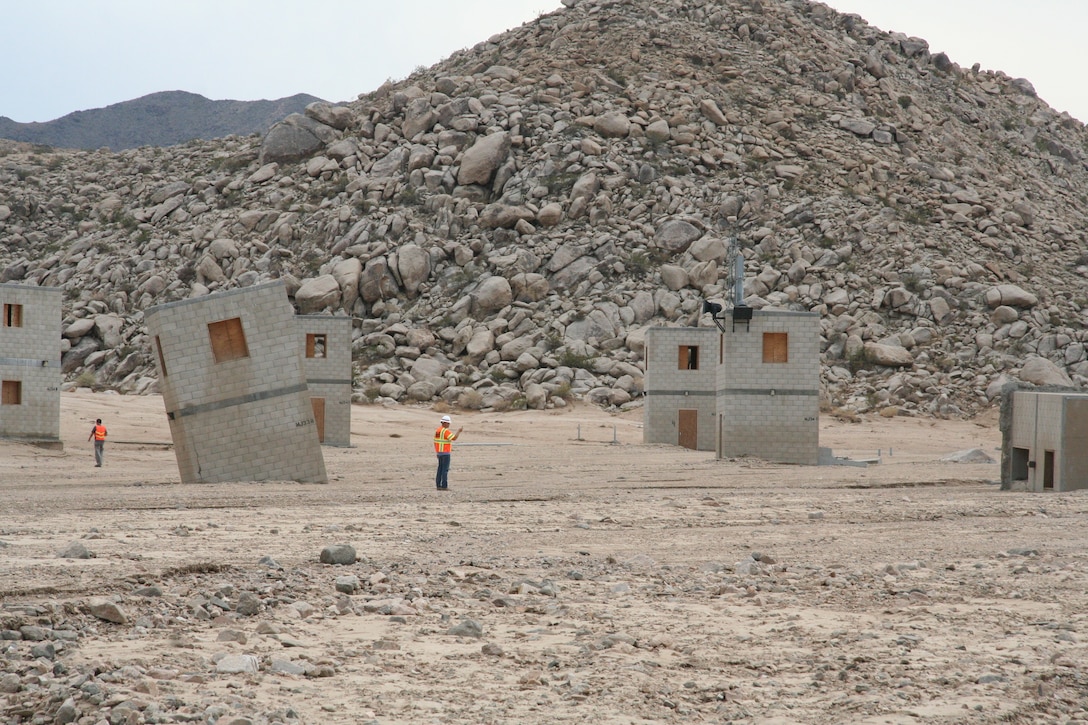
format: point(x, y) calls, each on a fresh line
point(59, 56)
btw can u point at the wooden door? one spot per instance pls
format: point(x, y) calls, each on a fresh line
point(689, 429)
point(319, 417)
point(1048, 470)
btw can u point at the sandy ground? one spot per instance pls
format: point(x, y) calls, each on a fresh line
point(572, 574)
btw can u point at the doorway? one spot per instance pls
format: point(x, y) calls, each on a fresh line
point(688, 423)
point(318, 405)
point(1048, 470)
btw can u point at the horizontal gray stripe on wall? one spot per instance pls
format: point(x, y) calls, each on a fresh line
point(322, 381)
point(24, 362)
point(681, 392)
point(231, 402)
point(766, 391)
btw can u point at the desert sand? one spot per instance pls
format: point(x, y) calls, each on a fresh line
point(572, 574)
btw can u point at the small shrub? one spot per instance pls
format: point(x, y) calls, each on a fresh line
point(87, 379)
point(471, 400)
point(571, 359)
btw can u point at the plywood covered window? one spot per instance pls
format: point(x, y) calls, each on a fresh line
point(316, 345)
point(228, 340)
point(12, 393)
point(689, 357)
point(13, 315)
point(775, 347)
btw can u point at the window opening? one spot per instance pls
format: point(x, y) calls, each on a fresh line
point(775, 347)
point(689, 357)
point(228, 340)
point(162, 360)
point(13, 315)
point(11, 393)
point(316, 345)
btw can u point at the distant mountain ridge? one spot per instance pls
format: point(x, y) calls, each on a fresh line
point(159, 119)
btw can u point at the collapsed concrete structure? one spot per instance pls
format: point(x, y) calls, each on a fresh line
point(232, 379)
point(749, 387)
point(326, 345)
point(30, 355)
point(1043, 435)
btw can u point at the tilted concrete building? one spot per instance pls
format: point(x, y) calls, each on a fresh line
point(232, 380)
point(749, 389)
point(326, 345)
point(30, 374)
point(1043, 440)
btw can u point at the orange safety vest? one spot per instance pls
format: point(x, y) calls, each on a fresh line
point(443, 440)
point(100, 432)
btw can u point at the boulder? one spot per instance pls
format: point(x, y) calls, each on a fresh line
point(1040, 371)
point(486, 155)
point(1010, 295)
point(493, 294)
point(887, 355)
point(676, 235)
point(317, 294)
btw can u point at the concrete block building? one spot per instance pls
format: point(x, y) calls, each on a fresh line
point(326, 346)
point(232, 380)
point(1043, 440)
point(749, 389)
point(30, 375)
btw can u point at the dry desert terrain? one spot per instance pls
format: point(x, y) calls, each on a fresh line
point(572, 574)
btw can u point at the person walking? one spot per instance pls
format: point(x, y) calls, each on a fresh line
point(443, 446)
point(98, 433)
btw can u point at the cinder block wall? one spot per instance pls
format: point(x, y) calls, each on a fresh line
point(329, 377)
point(1041, 421)
point(245, 419)
point(670, 388)
point(771, 409)
point(30, 357)
point(1073, 455)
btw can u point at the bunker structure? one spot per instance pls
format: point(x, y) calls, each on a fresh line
point(1043, 435)
point(326, 346)
point(234, 388)
point(748, 387)
point(30, 374)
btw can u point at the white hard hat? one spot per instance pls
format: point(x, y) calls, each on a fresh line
point(446, 419)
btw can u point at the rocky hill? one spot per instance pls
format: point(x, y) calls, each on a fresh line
point(505, 225)
point(158, 119)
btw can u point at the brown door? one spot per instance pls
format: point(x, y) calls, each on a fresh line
point(1048, 471)
point(689, 429)
point(319, 417)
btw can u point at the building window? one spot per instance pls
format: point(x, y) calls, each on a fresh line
point(228, 340)
point(13, 315)
point(775, 347)
point(689, 357)
point(162, 360)
point(316, 345)
point(12, 393)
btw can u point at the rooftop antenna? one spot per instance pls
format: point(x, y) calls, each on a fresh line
point(735, 276)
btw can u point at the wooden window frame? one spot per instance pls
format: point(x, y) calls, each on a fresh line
point(688, 357)
point(11, 392)
point(162, 359)
point(776, 347)
point(312, 341)
point(228, 340)
point(13, 314)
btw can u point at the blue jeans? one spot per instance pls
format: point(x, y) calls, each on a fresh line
point(442, 477)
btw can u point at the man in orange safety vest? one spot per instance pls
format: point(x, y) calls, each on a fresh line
point(98, 433)
point(443, 446)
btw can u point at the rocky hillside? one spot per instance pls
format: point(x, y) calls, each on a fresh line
point(159, 119)
point(505, 225)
